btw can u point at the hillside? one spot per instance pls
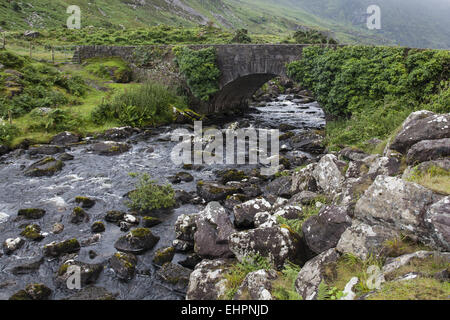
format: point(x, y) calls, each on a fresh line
point(409, 23)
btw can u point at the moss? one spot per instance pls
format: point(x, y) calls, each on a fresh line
point(415, 289)
point(164, 255)
point(67, 246)
point(232, 175)
point(85, 202)
point(63, 269)
point(127, 260)
point(32, 232)
point(97, 227)
point(149, 222)
point(32, 213)
point(140, 232)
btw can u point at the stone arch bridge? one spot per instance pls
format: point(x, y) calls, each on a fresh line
point(244, 67)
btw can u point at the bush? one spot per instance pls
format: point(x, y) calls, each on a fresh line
point(7, 132)
point(149, 196)
point(241, 36)
point(200, 69)
point(11, 60)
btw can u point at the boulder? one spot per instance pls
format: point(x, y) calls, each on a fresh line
point(303, 198)
point(421, 125)
point(175, 274)
point(289, 212)
point(322, 232)
point(208, 281)
point(279, 187)
point(425, 166)
point(437, 220)
point(213, 228)
point(427, 150)
point(352, 154)
point(362, 239)
point(31, 213)
point(45, 149)
point(55, 249)
point(212, 191)
point(303, 180)
point(309, 142)
point(244, 214)
point(328, 174)
point(109, 148)
point(118, 134)
point(89, 273)
point(387, 166)
point(191, 261)
point(163, 256)
point(46, 167)
point(276, 243)
point(311, 275)
point(124, 265)
point(185, 227)
point(10, 245)
point(257, 285)
point(137, 241)
point(65, 138)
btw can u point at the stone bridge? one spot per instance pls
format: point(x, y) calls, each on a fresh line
point(245, 68)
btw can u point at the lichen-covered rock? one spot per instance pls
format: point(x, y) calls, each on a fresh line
point(124, 265)
point(89, 273)
point(185, 227)
point(421, 125)
point(322, 232)
point(33, 291)
point(396, 204)
point(309, 142)
point(303, 180)
point(149, 222)
point(109, 148)
point(176, 275)
point(311, 275)
point(163, 256)
point(46, 167)
point(31, 213)
point(393, 264)
point(352, 154)
point(208, 281)
point(10, 245)
point(257, 285)
point(213, 191)
point(55, 249)
point(65, 138)
point(289, 212)
point(114, 216)
point(78, 216)
point(279, 187)
point(387, 166)
point(213, 228)
point(303, 198)
point(32, 232)
point(244, 214)
point(85, 202)
point(362, 239)
point(276, 243)
point(137, 241)
point(328, 174)
point(427, 150)
point(437, 220)
point(424, 167)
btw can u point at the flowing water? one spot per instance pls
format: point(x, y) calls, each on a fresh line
point(106, 179)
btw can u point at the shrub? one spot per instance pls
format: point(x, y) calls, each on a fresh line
point(200, 69)
point(149, 196)
point(11, 60)
point(7, 132)
point(241, 36)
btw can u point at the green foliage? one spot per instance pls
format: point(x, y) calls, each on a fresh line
point(110, 69)
point(149, 196)
point(237, 273)
point(11, 60)
point(148, 104)
point(7, 132)
point(241, 36)
point(434, 178)
point(325, 292)
point(284, 286)
point(200, 69)
point(312, 36)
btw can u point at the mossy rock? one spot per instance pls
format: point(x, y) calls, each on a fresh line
point(46, 167)
point(34, 291)
point(89, 273)
point(149, 222)
point(98, 227)
point(124, 265)
point(114, 216)
point(85, 202)
point(137, 241)
point(78, 216)
point(232, 175)
point(31, 213)
point(56, 249)
point(32, 232)
point(163, 256)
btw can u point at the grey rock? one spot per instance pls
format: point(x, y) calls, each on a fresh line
point(427, 150)
point(124, 265)
point(244, 213)
point(437, 220)
point(257, 285)
point(137, 241)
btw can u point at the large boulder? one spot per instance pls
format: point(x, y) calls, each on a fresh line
point(437, 219)
point(244, 214)
point(213, 228)
point(311, 275)
point(304, 180)
point(362, 240)
point(137, 241)
point(322, 232)
point(396, 204)
point(328, 174)
point(421, 125)
point(208, 281)
point(109, 148)
point(427, 150)
point(279, 187)
point(65, 138)
point(257, 285)
point(276, 243)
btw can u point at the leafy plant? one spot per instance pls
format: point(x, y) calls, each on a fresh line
point(7, 132)
point(284, 286)
point(328, 293)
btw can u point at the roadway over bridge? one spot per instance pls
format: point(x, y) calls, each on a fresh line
point(245, 67)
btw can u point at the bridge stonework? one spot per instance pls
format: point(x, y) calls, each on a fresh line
point(244, 67)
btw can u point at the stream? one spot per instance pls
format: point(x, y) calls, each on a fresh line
point(106, 180)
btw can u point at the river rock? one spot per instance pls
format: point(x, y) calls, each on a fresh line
point(114, 216)
point(98, 227)
point(212, 191)
point(437, 220)
point(33, 291)
point(257, 285)
point(10, 245)
point(175, 275)
point(31, 213)
point(78, 216)
point(26, 265)
point(89, 273)
point(309, 142)
point(328, 174)
point(213, 228)
point(91, 293)
point(124, 265)
point(275, 243)
point(137, 241)
point(208, 281)
point(3, 217)
point(185, 227)
point(3, 150)
point(32, 232)
point(244, 214)
point(149, 222)
point(85, 202)
point(191, 261)
point(280, 187)
point(322, 232)
point(181, 177)
point(65, 138)
point(109, 148)
point(44, 167)
point(396, 204)
point(304, 180)
point(45, 149)
point(118, 134)
point(421, 125)
point(163, 256)
point(427, 150)
point(55, 249)
point(362, 239)
point(311, 275)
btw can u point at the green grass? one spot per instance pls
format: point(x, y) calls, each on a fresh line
point(284, 287)
point(415, 289)
point(434, 178)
